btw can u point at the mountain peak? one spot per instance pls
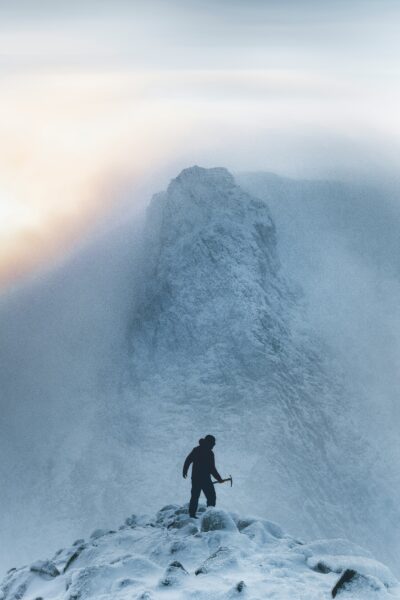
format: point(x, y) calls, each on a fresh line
point(171, 555)
point(215, 176)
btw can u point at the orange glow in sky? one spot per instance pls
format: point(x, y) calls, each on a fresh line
point(64, 138)
point(68, 135)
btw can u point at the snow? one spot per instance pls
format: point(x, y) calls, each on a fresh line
point(214, 557)
point(107, 390)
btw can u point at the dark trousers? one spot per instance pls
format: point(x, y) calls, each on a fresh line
point(198, 486)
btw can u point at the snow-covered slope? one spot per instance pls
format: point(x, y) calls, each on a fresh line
point(221, 343)
point(110, 376)
point(219, 555)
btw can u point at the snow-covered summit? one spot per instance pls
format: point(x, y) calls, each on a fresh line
point(220, 342)
point(220, 555)
point(217, 342)
point(217, 176)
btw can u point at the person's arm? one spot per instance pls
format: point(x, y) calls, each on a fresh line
point(188, 462)
point(214, 469)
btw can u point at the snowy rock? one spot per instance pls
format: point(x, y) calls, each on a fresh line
point(359, 564)
point(257, 532)
point(159, 562)
point(239, 588)
point(45, 568)
point(334, 547)
point(124, 583)
point(214, 519)
point(153, 561)
point(173, 574)
point(98, 533)
point(131, 521)
point(354, 582)
point(223, 558)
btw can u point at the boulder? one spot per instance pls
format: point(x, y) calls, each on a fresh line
point(321, 567)
point(359, 564)
point(131, 521)
point(258, 533)
point(173, 574)
point(72, 556)
point(351, 581)
point(240, 587)
point(45, 568)
point(98, 533)
point(214, 519)
point(223, 558)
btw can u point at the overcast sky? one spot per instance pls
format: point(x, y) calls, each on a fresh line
point(94, 93)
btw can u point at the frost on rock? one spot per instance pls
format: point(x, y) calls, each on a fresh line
point(173, 574)
point(45, 568)
point(215, 519)
point(219, 332)
point(353, 584)
point(154, 560)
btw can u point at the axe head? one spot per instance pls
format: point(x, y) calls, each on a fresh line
point(230, 479)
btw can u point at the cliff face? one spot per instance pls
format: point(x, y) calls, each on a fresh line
point(220, 343)
point(131, 361)
point(212, 291)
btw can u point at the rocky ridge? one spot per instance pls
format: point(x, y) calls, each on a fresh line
point(218, 556)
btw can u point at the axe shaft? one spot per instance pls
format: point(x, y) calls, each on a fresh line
point(223, 481)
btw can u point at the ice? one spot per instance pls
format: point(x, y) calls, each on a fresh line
point(154, 560)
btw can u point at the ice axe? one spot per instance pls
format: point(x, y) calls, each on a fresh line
point(223, 481)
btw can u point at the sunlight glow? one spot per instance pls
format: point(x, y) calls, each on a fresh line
point(67, 136)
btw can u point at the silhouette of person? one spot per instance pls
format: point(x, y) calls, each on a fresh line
point(203, 466)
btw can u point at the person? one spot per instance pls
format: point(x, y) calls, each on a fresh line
point(203, 466)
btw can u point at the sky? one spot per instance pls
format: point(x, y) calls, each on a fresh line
point(100, 97)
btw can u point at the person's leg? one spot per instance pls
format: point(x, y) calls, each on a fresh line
point(209, 491)
point(194, 499)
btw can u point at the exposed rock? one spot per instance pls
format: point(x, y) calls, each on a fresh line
point(359, 564)
point(321, 567)
point(350, 580)
point(72, 557)
point(131, 521)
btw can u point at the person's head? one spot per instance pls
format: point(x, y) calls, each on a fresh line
point(207, 442)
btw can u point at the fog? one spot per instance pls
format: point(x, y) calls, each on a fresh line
point(65, 350)
point(340, 242)
point(101, 104)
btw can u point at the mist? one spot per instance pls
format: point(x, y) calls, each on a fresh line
point(65, 350)
point(340, 242)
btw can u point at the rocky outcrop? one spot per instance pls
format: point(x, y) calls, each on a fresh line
point(147, 559)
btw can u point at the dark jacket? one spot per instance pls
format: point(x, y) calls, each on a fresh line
point(203, 462)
